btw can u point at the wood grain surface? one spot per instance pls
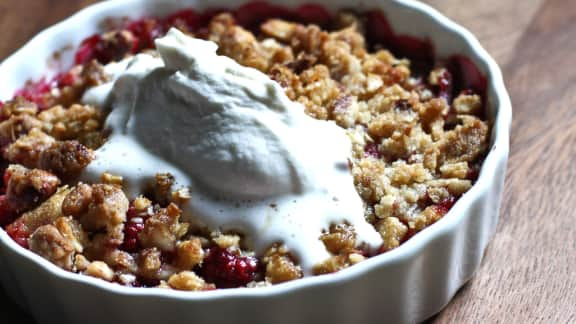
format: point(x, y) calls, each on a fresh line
point(528, 274)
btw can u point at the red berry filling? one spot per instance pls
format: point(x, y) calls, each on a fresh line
point(313, 14)
point(145, 32)
point(249, 15)
point(35, 91)
point(19, 233)
point(66, 79)
point(227, 269)
point(379, 31)
point(371, 149)
point(6, 213)
point(254, 13)
point(132, 228)
point(444, 206)
point(466, 75)
point(85, 52)
point(188, 18)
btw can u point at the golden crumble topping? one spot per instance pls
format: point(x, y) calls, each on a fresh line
point(417, 147)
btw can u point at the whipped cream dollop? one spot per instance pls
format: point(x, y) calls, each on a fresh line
point(253, 160)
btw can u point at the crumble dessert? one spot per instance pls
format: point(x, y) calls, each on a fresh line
point(416, 130)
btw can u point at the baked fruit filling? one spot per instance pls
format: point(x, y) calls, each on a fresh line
point(416, 126)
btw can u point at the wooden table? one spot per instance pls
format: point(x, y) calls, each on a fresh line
point(529, 271)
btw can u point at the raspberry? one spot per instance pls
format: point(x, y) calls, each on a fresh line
point(371, 149)
point(87, 49)
point(19, 233)
point(313, 14)
point(444, 206)
point(227, 269)
point(146, 31)
point(445, 86)
point(113, 48)
point(66, 79)
point(131, 230)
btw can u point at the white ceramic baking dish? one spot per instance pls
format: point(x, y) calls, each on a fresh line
point(406, 285)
